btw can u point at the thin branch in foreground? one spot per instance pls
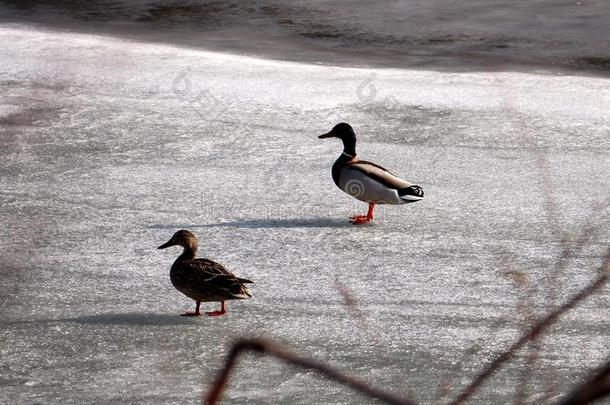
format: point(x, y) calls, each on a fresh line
point(538, 328)
point(525, 302)
point(452, 373)
point(264, 347)
point(595, 387)
point(353, 307)
point(351, 303)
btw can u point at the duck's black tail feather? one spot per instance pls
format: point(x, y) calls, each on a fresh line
point(411, 194)
point(245, 281)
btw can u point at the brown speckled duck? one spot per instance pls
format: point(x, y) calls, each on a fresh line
point(202, 279)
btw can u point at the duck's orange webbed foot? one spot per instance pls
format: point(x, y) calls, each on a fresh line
point(359, 219)
point(363, 219)
point(196, 313)
point(222, 311)
point(216, 313)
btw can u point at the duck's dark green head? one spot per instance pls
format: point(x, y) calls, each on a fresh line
point(184, 238)
point(345, 132)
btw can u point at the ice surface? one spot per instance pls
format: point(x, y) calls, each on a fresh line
point(110, 146)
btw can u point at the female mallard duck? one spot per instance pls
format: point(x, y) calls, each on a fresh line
point(202, 279)
point(367, 181)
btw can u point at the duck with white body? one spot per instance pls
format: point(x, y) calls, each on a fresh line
point(367, 181)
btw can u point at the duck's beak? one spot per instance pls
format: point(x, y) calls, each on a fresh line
point(166, 245)
point(327, 135)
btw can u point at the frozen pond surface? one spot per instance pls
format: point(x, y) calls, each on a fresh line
point(108, 147)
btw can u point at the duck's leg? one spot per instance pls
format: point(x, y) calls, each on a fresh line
point(196, 313)
point(222, 311)
point(363, 219)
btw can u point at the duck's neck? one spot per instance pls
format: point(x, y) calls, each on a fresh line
point(349, 147)
point(188, 253)
point(341, 161)
point(346, 157)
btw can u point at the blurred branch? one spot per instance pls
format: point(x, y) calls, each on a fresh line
point(264, 347)
point(574, 246)
point(525, 302)
point(452, 373)
point(373, 336)
point(595, 387)
point(351, 303)
point(537, 329)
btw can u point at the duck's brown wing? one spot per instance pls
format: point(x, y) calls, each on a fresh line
point(380, 174)
point(215, 277)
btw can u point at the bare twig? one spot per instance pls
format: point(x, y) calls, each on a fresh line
point(595, 387)
point(524, 304)
point(570, 248)
point(351, 303)
point(573, 247)
point(265, 347)
point(537, 329)
point(374, 337)
point(447, 380)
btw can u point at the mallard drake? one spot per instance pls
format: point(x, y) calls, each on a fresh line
point(203, 279)
point(367, 181)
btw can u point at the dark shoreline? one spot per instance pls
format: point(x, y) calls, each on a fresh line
point(314, 52)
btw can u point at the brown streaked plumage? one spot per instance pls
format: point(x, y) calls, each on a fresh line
point(203, 279)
